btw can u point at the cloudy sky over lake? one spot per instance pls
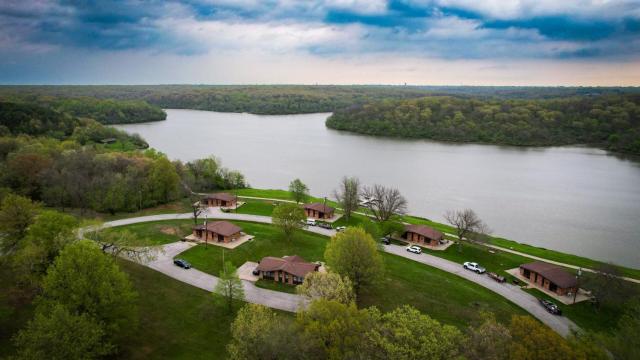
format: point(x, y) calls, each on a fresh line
point(456, 42)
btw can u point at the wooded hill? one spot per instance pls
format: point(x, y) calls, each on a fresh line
point(259, 99)
point(608, 121)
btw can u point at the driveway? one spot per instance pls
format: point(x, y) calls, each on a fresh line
point(291, 302)
point(253, 294)
point(528, 302)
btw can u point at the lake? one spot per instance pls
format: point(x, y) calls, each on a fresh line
point(578, 200)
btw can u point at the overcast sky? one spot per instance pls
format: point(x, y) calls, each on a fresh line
point(439, 42)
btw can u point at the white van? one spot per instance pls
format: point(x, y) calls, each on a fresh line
point(311, 222)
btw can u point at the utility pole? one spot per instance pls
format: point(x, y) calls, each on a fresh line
point(575, 293)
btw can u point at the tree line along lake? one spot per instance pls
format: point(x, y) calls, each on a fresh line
point(573, 199)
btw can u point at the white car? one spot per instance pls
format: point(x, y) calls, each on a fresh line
point(311, 222)
point(474, 267)
point(414, 249)
point(341, 228)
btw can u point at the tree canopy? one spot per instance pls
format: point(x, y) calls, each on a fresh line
point(609, 121)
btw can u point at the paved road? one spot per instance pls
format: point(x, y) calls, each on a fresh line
point(560, 324)
point(253, 294)
point(488, 245)
point(290, 302)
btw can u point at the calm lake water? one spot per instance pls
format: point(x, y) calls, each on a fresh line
point(573, 199)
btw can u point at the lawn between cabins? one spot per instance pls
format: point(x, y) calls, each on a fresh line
point(445, 297)
point(265, 208)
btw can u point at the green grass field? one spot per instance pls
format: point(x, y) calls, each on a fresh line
point(444, 296)
point(177, 321)
point(584, 314)
point(256, 207)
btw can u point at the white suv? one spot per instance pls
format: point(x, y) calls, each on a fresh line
point(474, 267)
point(311, 222)
point(414, 249)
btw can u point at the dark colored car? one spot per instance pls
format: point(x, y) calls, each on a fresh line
point(550, 307)
point(385, 240)
point(256, 272)
point(182, 263)
point(325, 225)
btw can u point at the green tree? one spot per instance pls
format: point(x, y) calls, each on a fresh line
point(327, 286)
point(84, 281)
point(289, 218)
point(258, 333)
point(16, 214)
point(332, 330)
point(533, 340)
point(229, 285)
point(405, 333)
point(60, 334)
point(46, 237)
point(624, 343)
point(489, 341)
point(299, 191)
point(164, 180)
point(353, 253)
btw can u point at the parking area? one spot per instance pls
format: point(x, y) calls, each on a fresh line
point(245, 271)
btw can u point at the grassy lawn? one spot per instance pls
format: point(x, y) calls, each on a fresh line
point(561, 257)
point(495, 262)
point(443, 296)
point(177, 321)
point(584, 314)
point(156, 232)
point(267, 242)
point(256, 207)
point(277, 286)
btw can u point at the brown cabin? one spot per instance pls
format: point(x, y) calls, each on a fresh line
point(318, 211)
point(217, 231)
point(549, 277)
point(219, 199)
point(288, 270)
point(422, 234)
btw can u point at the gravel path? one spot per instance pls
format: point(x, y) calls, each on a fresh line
point(291, 302)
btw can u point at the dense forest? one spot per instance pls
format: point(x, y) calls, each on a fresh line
point(64, 162)
point(263, 99)
point(105, 111)
point(282, 99)
point(609, 121)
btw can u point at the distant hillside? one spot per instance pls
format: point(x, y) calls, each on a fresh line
point(270, 99)
point(608, 121)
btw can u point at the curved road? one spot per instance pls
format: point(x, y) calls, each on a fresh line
point(291, 302)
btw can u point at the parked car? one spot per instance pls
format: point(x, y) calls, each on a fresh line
point(385, 240)
point(414, 249)
point(341, 228)
point(324, 225)
point(473, 266)
point(182, 263)
point(550, 307)
point(256, 272)
point(311, 222)
point(496, 277)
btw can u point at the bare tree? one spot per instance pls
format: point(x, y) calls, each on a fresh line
point(348, 195)
point(468, 225)
point(196, 207)
point(384, 202)
point(118, 243)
